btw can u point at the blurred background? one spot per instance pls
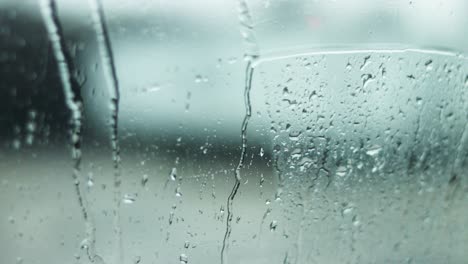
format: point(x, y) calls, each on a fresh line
point(356, 150)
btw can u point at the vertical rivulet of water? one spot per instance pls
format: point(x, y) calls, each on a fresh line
point(237, 173)
point(74, 102)
point(107, 58)
point(251, 54)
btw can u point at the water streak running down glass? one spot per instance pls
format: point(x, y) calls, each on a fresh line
point(230, 132)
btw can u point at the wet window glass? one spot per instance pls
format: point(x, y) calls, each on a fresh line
point(233, 132)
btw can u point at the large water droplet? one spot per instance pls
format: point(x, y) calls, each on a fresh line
point(177, 192)
point(273, 225)
point(173, 174)
point(183, 258)
point(129, 198)
point(295, 135)
point(374, 150)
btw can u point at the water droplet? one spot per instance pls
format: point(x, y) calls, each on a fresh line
point(173, 174)
point(356, 221)
point(31, 126)
point(177, 192)
point(419, 100)
point(84, 244)
point(129, 198)
point(360, 165)
point(373, 150)
point(313, 96)
point(366, 79)
point(347, 210)
point(428, 65)
point(232, 60)
point(366, 62)
point(262, 180)
point(16, 144)
point(199, 79)
point(341, 171)
point(296, 153)
point(144, 179)
point(90, 181)
point(294, 135)
point(273, 225)
point(183, 258)
point(29, 139)
point(171, 217)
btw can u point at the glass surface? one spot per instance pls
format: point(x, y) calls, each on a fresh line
point(203, 131)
